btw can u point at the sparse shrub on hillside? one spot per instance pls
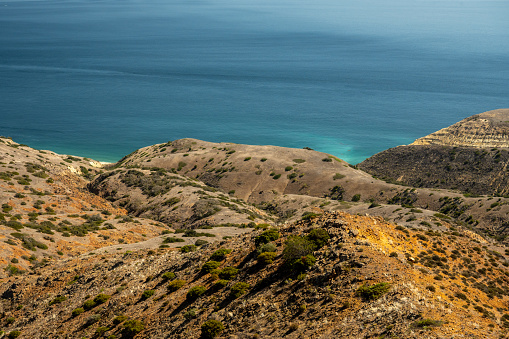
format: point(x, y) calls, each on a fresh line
point(211, 329)
point(425, 323)
point(147, 294)
point(268, 247)
point(299, 161)
point(318, 237)
point(89, 304)
point(296, 248)
point(14, 334)
point(170, 240)
point(119, 319)
point(191, 313)
point(101, 298)
point(309, 215)
point(219, 284)
point(77, 311)
point(338, 176)
point(133, 327)
point(327, 160)
point(336, 193)
point(373, 292)
point(209, 266)
point(188, 248)
point(288, 168)
point(220, 254)
point(101, 330)
point(200, 242)
point(228, 273)
point(168, 276)
point(92, 320)
point(57, 300)
point(239, 289)
point(267, 236)
point(356, 197)
point(195, 292)
point(176, 285)
point(266, 258)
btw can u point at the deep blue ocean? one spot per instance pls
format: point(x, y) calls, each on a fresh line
point(101, 78)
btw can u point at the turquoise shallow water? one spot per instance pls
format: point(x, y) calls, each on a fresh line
point(103, 78)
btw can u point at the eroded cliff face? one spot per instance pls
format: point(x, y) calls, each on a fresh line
point(488, 129)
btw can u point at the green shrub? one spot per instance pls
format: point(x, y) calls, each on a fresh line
point(119, 319)
point(318, 237)
point(239, 289)
point(296, 248)
point(373, 292)
point(219, 284)
point(168, 276)
point(188, 248)
point(266, 258)
point(89, 304)
point(228, 273)
point(211, 328)
point(268, 247)
point(101, 298)
point(170, 240)
point(288, 168)
point(101, 330)
point(10, 320)
point(356, 197)
point(304, 263)
point(77, 311)
point(147, 294)
point(425, 323)
point(132, 327)
point(195, 292)
point(309, 215)
point(176, 285)
point(14, 334)
point(267, 236)
point(200, 242)
point(220, 254)
point(57, 300)
point(191, 313)
point(209, 266)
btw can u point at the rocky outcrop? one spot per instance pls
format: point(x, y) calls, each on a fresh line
point(486, 130)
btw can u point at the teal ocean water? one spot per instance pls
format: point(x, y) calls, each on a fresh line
point(101, 78)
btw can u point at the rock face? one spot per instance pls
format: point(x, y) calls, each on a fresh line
point(470, 156)
point(488, 129)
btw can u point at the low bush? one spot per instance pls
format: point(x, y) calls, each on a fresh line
point(228, 273)
point(220, 254)
point(239, 289)
point(101, 298)
point(266, 258)
point(211, 328)
point(373, 292)
point(176, 285)
point(147, 294)
point(267, 236)
point(57, 300)
point(168, 276)
point(133, 327)
point(209, 266)
point(195, 292)
point(77, 311)
point(188, 248)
